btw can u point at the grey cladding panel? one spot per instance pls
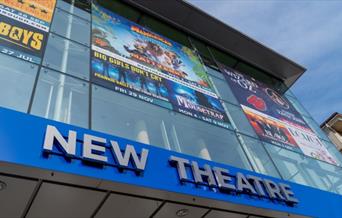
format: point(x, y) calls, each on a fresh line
point(55, 200)
point(171, 209)
point(15, 196)
point(127, 207)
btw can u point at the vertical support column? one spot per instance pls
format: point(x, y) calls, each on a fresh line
point(141, 132)
point(61, 82)
point(203, 150)
point(165, 136)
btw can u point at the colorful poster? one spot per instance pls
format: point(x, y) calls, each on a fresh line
point(135, 61)
point(273, 117)
point(39, 11)
point(24, 27)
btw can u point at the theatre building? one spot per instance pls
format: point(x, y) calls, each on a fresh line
point(139, 108)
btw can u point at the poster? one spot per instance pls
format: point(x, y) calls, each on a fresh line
point(24, 27)
point(137, 62)
point(273, 117)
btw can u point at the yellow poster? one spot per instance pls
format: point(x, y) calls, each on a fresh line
point(41, 9)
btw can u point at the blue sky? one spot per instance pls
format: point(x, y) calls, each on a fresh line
point(307, 32)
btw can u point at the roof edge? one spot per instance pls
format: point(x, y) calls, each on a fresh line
point(220, 35)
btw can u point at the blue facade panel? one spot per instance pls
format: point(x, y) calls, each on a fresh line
point(22, 138)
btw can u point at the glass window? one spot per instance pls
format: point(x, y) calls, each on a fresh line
point(315, 127)
point(289, 93)
point(239, 119)
point(120, 115)
point(62, 98)
point(330, 175)
point(279, 86)
point(201, 47)
point(16, 82)
point(124, 116)
point(209, 62)
point(223, 90)
point(165, 30)
point(326, 175)
point(82, 8)
point(298, 106)
point(71, 27)
point(297, 167)
point(258, 156)
point(253, 72)
point(290, 164)
point(223, 57)
point(200, 139)
point(215, 72)
point(122, 9)
point(67, 57)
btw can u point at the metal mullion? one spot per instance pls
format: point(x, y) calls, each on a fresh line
point(238, 136)
point(66, 74)
point(71, 40)
point(70, 13)
point(41, 63)
point(90, 93)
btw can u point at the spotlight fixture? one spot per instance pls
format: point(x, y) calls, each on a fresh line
point(182, 212)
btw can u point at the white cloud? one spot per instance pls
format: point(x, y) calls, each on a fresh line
point(308, 32)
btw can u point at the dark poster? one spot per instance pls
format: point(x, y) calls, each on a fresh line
point(273, 117)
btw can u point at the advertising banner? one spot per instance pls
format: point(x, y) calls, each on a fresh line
point(273, 117)
point(24, 27)
point(135, 61)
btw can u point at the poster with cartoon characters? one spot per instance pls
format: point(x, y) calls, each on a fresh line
point(135, 61)
point(273, 117)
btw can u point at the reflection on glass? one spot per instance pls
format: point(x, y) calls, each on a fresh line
point(239, 119)
point(223, 90)
point(16, 82)
point(123, 116)
point(206, 141)
point(289, 93)
point(298, 106)
point(71, 27)
point(82, 8)
point(165, 30)
point(215, 73)
point(62, 98)
point(67, 57)
point(130, 118)
point(291, 165)
point(255, 73)
point(258, 156)
point(305, 170)
point(222, 57)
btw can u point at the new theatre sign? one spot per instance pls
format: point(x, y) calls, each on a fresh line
point(102, 151)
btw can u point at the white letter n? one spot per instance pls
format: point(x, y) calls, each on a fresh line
point(52, 134)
